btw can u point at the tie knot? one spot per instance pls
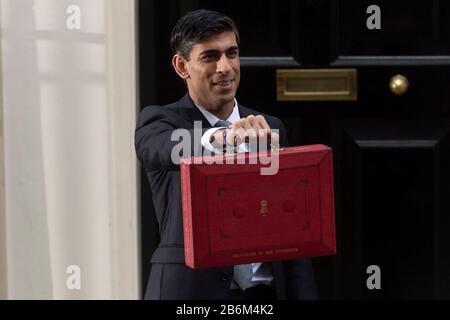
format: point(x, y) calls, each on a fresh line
point(223, 123)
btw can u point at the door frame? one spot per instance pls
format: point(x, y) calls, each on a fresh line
point(122, 93)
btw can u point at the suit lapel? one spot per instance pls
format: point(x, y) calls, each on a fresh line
point(190, 112)
point(243, 111)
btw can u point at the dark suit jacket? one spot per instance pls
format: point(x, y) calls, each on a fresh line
point(170, 278)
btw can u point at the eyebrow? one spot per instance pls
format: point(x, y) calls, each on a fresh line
point(212, 51)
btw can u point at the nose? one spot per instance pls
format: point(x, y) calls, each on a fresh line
point(223, 65)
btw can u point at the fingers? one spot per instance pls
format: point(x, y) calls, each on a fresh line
point(262, 122)
point(238, 130)
point(231, 134)
point(256, 126)
point(242, 134)
point(250, 129)
point(274, 139)
point(217, 138)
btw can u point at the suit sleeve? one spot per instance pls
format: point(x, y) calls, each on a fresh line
point(160, 142)
point(284, 141)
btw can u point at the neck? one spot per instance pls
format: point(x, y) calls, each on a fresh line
point(223, 112)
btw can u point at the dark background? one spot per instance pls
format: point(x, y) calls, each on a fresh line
point(392, 153)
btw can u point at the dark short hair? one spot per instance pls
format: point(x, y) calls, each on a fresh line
point(196, 26)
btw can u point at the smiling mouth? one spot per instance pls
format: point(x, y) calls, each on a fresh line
point(225, 83)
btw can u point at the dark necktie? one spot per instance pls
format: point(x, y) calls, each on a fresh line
point(223, 123)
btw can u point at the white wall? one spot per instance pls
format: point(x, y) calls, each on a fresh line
point(69, 107)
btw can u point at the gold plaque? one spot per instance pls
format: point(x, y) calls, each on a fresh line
point(317, 85)
point(264, 208)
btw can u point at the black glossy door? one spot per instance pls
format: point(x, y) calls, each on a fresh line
point(392, 153)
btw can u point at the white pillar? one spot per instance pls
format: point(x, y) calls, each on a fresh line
point(3, 264)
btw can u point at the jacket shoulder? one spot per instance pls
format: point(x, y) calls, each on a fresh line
point(158, 112)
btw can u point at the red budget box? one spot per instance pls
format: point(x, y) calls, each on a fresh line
point(232, 214)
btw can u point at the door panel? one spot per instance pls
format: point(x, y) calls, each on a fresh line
point(407, 28)
point(389, 181)
point(259, 38)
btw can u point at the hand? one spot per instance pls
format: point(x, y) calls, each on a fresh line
point(250, 130)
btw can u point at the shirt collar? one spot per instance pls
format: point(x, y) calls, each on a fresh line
point(212, 119)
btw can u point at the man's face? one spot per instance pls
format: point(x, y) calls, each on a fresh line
point(214, 71)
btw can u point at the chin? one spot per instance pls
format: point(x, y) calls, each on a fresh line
point(226, 99)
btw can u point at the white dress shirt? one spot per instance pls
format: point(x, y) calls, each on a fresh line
point(262, 273)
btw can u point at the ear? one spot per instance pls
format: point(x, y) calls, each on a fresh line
point(179, 64)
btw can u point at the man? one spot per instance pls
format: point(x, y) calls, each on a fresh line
point(206, 56)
